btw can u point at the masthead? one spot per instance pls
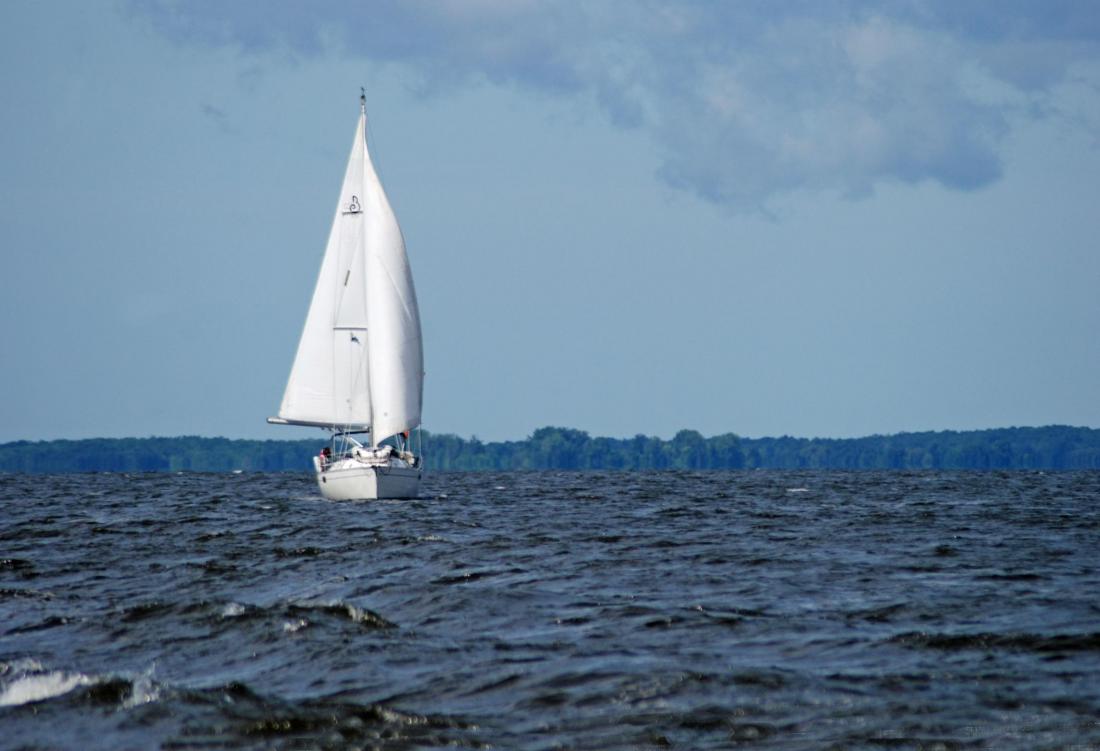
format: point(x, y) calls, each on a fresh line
point(363, 99)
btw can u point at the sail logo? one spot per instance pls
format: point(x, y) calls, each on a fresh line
point(354, 207)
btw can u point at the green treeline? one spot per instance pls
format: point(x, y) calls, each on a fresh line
point(182, 454)
point(1052, 447)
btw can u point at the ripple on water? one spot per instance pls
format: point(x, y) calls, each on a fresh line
point(552, 609)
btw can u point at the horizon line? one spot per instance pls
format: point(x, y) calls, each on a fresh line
point(473, 437)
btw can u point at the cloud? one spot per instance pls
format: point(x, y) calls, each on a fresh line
point(218, 117)
point(744, 101)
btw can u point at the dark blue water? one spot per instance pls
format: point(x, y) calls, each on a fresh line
point(780, 610)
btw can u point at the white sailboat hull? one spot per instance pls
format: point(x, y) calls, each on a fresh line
point(354, 480)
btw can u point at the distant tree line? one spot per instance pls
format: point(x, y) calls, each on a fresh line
point(1052, 447)
point(181, 454)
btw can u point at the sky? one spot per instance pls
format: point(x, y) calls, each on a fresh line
point(804, 218)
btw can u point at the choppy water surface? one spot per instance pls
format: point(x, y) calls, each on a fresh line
point(553, 610)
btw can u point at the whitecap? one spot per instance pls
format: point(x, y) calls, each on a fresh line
point(232, 609)
point(798, 490)
point(143, 690)
point(41, 686)
point(293, 627)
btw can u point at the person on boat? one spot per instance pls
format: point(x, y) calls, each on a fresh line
point(326, 457)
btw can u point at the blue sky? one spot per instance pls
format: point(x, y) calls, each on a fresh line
point(816, 219)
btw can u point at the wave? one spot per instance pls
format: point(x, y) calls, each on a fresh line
point(226, 612)
point(37, 687)
point(342, 610)
point(27, 681)
point(234, 714)
point(21, 565)
point(988, 641)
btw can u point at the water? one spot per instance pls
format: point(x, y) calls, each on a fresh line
point(781, 610)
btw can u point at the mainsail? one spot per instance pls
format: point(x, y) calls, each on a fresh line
point(360, 360)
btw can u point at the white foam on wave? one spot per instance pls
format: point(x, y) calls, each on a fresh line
point(798, 490)
point(291, 627)
point(41, 686)
point(34, 683)
point(232, 609)
point(143, 689)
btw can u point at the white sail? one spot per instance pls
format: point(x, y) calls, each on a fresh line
point(396, 355)
point(359, 361)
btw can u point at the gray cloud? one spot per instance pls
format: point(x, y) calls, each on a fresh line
point(744, 100)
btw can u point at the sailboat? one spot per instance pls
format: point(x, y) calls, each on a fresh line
point(359, 367)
